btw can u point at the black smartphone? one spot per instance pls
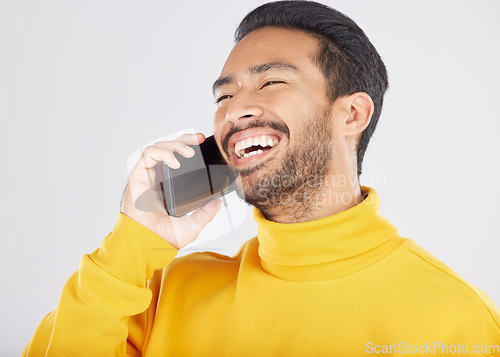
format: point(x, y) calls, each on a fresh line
point(198, 180)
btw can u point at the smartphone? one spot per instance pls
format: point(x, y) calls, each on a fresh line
point(198, 180)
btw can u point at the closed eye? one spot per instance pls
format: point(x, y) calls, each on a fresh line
point(226, 96)
point(268, 83)
point(222, 97)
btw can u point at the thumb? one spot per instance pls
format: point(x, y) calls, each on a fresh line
point(203, 215)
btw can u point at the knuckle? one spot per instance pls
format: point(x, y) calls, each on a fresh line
point(181, 145)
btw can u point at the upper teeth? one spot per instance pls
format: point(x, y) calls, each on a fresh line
point(263, 141)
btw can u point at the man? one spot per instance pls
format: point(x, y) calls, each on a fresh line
point(298, 100)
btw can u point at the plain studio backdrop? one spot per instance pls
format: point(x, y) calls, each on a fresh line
point(83, 84)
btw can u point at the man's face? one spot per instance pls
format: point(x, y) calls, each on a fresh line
point(273, 120)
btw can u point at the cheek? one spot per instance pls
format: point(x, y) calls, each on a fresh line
point(219, 119)
point(219, 127)
point(294, 110)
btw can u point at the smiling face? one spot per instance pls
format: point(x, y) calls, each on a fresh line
point(274, 121)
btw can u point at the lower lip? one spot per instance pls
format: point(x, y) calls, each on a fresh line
point(243, 161)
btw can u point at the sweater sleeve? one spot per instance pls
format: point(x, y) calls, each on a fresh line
point(102, 309)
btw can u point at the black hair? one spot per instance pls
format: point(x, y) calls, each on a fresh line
point(346, 57)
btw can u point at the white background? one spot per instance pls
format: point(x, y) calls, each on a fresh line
point(85, 83)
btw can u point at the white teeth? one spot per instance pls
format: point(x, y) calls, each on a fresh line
point(263, 141)
point(252, 153)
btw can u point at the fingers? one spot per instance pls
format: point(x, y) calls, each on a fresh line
point(203, 215)
point(192, 139)
point(163, 151)
point(145, 194)
point(147, 173)
point(177, 146)
point(154, 154)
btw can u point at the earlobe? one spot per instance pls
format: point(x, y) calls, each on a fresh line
point(360, 110)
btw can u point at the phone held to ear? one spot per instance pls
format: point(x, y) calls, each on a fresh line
point(198, 180)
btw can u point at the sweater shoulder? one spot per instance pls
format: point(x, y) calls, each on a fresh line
point(456, 284)
point(206, 266)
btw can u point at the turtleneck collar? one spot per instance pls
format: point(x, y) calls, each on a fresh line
point(330, 247)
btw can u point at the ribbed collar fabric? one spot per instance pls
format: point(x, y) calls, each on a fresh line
point(330, 247)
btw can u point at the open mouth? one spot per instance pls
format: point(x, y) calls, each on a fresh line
point(254, 148)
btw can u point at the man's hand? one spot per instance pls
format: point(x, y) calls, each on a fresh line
point(178, 232)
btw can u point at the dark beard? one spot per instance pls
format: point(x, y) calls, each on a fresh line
point(293, 189)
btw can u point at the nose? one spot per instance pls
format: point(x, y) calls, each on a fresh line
point(242, 105)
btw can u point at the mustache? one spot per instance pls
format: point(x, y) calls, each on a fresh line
point(258, 123)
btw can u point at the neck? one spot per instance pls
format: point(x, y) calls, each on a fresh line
point(334, 194)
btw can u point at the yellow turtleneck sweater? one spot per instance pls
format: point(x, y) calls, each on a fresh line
point(344, 285)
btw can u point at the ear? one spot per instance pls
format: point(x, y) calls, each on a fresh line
point(358, 108)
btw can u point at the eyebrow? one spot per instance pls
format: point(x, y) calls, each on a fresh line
point(260, 68)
